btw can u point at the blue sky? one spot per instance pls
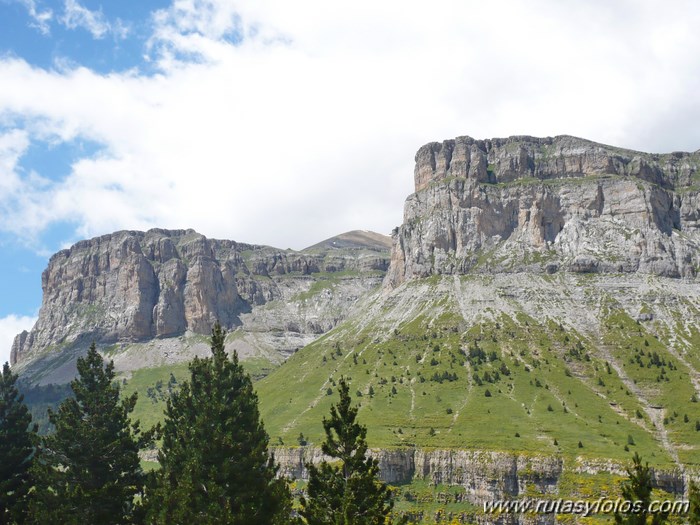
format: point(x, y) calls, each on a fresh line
point(284, 123)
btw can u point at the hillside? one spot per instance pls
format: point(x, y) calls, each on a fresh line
point(536, 323)
point(423, 357)
point(539, 323)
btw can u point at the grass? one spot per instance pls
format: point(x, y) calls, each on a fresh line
point(507, 383)
point(552, 392)
point(555, 390)
point(149, 409)
point(662, 378)
point(421, 498)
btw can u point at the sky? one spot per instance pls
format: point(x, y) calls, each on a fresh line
point(287, 122)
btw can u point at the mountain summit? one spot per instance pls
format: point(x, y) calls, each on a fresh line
point(536, 322)
point(150, 291)
point(549, 204)
point(542, 298)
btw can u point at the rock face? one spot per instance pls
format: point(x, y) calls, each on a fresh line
point(485, 475)
point(136, 286)
point(506, 160)
point(548, 204)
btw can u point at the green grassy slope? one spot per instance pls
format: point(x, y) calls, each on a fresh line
point(154, 385)
point(507, 382)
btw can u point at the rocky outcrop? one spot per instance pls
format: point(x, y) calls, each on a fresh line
point(545, 205)
point(137, 286)
point(509, 159)
point(485, 475)
point(17, 345)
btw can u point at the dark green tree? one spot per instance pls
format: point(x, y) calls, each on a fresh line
point(348, 492)
point(694, 498)
point(637, 489)
point(215, 465)
point(88, 470)
point(16, 449)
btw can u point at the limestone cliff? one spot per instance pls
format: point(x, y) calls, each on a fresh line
point(485, 475)
point(134, 286)
point(548, 204)
point(542, 253)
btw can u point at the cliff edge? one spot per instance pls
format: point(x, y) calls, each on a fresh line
point(548, 205)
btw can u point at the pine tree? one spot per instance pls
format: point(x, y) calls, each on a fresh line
point(694, 498)
point(16, 449)
point(215, 466)
point(637, 489)
point(348, 493)
point(88, 470)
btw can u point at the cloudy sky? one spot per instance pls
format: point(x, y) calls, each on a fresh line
point(285, 122)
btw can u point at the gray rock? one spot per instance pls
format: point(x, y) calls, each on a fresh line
point(135, 287)
point(546, 205)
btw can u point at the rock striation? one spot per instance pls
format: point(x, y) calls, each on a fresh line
point(485, 475)
point(503, 160)
point(548, 204)
point(133, 286)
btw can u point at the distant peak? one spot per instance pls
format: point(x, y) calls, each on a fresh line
point(355, 239)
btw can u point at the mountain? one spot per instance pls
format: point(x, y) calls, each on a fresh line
point(540, 316)
point(536, 322)
point(152, 297)
point(536, 205)
point(356, 239)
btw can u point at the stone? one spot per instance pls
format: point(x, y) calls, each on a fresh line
point(545, 205)
point(132, 286)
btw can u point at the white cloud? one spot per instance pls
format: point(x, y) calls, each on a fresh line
point(40, 17)
point(78, 16)
point(10, 326)
point(285, 123)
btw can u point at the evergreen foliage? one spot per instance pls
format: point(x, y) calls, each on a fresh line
point(16, 449)
point(215, 466)
point(347, 492)
point(88, 470)
point(694, 498)
point(637, 489)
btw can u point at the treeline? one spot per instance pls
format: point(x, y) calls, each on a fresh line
point(215, 466)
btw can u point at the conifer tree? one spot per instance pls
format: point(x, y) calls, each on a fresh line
point(215, 466)
point(637, 489)
point(16, 449)
point(348, 493)
point(694, 498)
point(88, 470)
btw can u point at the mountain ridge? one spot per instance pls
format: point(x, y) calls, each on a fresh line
point(547, 322)
point(507, 159)
point(495, 206)
point(134, 287)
